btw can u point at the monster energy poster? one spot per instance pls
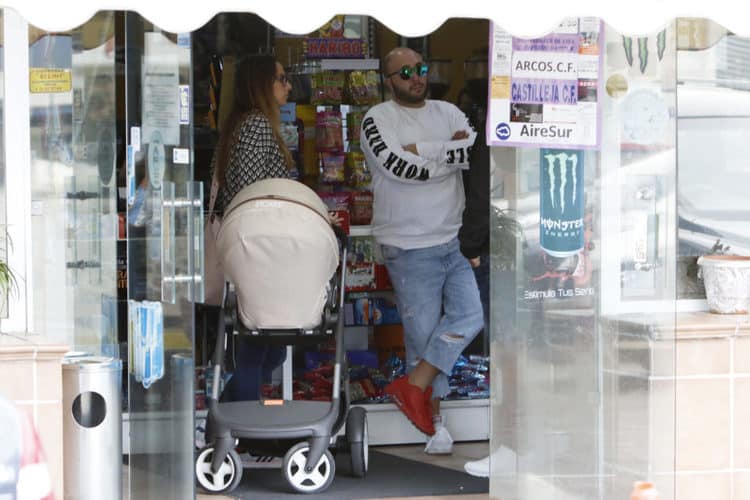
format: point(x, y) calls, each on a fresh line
point(561, 202)
point(544, 92)
point(562, 267)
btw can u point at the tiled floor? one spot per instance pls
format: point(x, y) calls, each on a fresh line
point(462, 497)
point(462, 452)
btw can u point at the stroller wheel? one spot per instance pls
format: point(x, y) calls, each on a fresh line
point(315, 481)
point(225, 479)
point(356, 435)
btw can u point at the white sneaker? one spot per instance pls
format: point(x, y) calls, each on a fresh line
point(478, 468)
point(260, 462)
point(502, 460)
point(440, 443)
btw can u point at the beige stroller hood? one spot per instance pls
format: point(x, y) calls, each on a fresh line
point(280, 252)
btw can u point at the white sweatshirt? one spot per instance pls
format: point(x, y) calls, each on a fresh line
point(418, 199)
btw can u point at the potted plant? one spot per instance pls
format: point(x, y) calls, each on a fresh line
point(726, 279)
point(505, 231)
point(8, 283)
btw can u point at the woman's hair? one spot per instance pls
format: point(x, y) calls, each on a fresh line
point(254, 77)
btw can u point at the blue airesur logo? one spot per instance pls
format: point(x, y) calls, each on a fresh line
point(502, 131)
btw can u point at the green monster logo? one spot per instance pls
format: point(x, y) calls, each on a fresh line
point(643, 53)
point(627, 45)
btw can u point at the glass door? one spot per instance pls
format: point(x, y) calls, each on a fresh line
point(72, 211)
point(584, 318)
point(164, 209)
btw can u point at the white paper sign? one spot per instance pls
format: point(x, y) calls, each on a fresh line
point(135, 138)
point(181, 156)
point(544, 92)
point(161, 79)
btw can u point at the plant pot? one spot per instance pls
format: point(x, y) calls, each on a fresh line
point(727, 282)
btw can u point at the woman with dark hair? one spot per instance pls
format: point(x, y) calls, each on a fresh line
point(250, 149)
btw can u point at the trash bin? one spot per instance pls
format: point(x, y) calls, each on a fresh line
point(92, 428)
point(182, 370)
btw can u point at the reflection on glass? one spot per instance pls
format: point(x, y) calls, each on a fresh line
point(3, 201)
point(160, 259)
point(713, 122)
point(74, 219)
point(585, 400)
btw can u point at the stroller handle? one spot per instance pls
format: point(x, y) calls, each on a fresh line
point(340, 235)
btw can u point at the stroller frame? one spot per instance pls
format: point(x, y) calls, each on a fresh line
point(314, 421)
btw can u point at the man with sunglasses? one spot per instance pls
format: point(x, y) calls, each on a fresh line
point(416, 149)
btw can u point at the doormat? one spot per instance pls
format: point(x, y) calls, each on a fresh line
point(388, 476)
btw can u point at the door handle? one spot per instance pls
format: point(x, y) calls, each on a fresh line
point(193, 272)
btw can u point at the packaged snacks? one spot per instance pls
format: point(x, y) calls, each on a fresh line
point(335, 200)
point(361, 272)
point(338, 204)
point(290, 135)
point(360, 277)
point(354, 126)
point(363, 88)
point(361, 250)
point(358, 175)
point(470, 378)
point(333, 28)
point(329, 135)
point(332, 169)
point(327, 88)
point(360, 207)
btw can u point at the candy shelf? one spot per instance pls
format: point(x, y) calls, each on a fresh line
point(360, 231)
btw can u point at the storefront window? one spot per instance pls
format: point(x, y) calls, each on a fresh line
point(73, 211)
point(583, 396)
point(713, 111)
point(6, 279)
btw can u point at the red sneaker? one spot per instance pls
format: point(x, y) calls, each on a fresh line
point(428, 401)
point(411, 400)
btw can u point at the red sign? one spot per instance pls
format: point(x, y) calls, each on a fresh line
point(322, 48)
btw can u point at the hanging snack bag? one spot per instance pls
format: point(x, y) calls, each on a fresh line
point(329, 136)
point(353, 126)
point(358, 175)
point(360, 209)
point(338, 204)
point(362, 88)
point(332, 168)
point(327, 88)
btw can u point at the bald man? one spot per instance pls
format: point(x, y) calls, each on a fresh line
point(416, 149)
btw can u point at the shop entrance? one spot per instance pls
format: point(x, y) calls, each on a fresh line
point(336, 77)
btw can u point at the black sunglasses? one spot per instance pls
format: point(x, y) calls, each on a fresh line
point(406, 72)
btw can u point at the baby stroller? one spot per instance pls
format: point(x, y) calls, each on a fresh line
point(280, 256)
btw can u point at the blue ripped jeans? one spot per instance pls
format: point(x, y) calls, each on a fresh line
point(438, 300)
